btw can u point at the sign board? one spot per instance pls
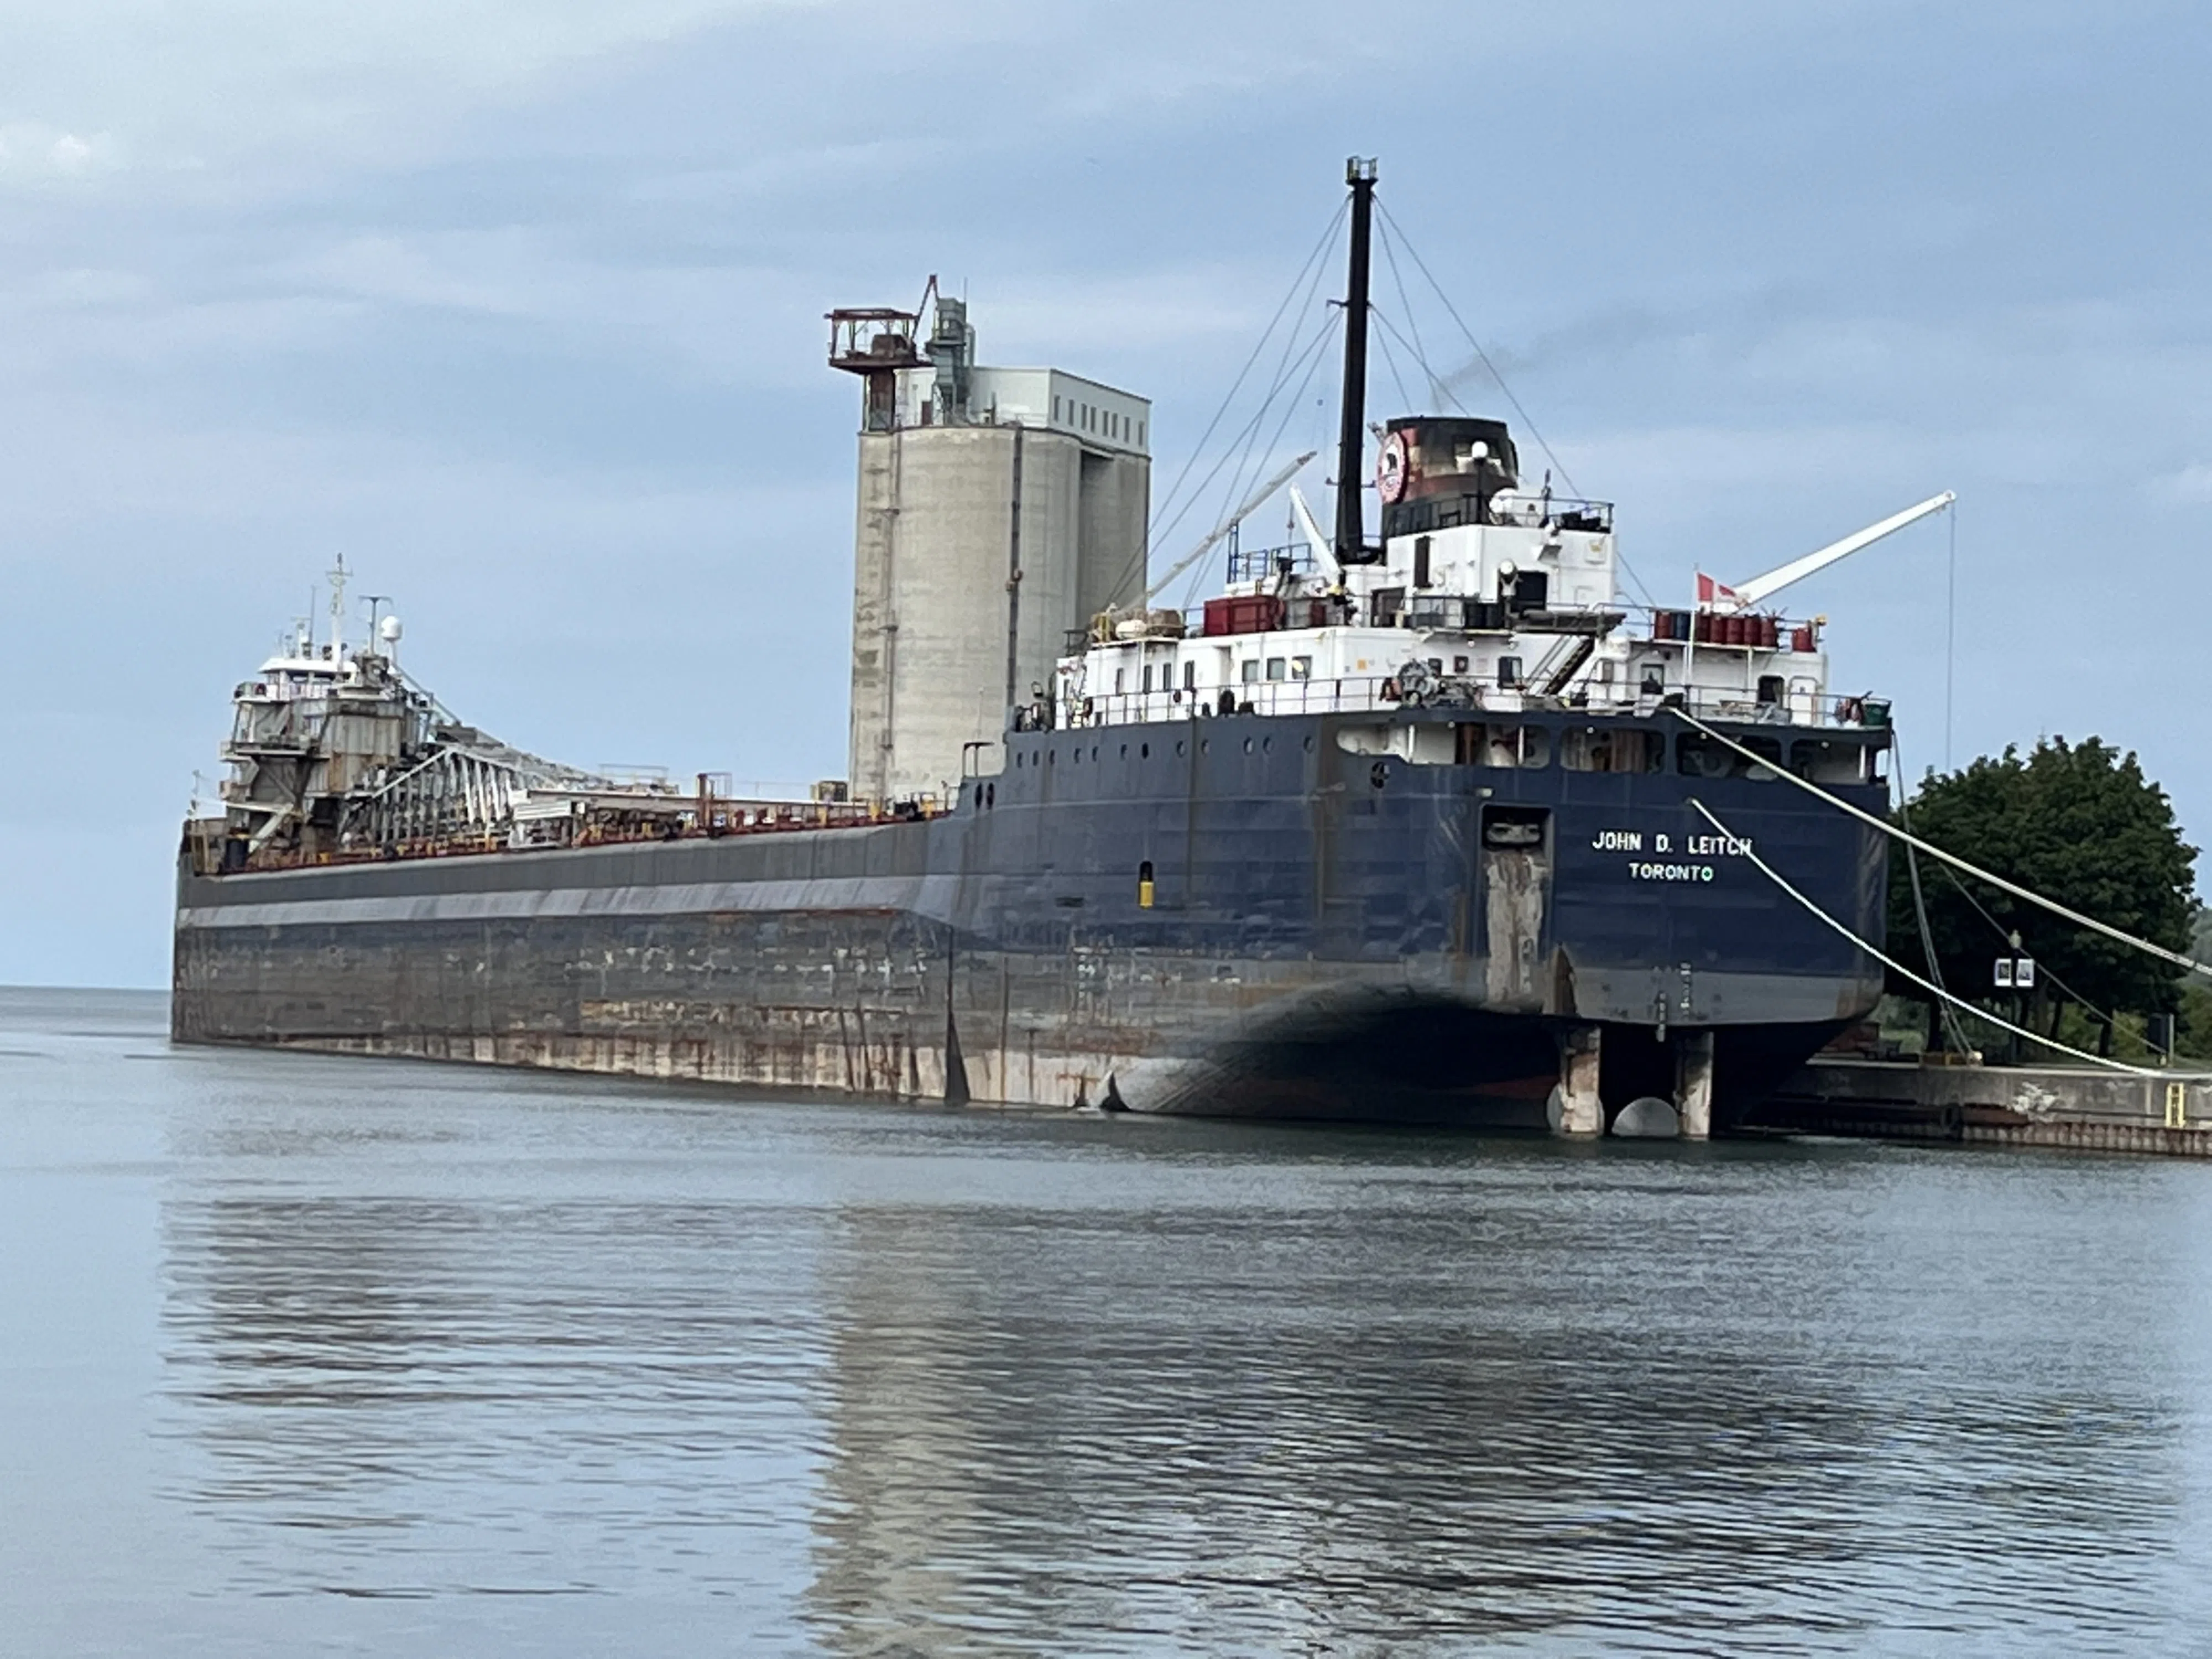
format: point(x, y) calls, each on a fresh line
point(2023, 973)
point(2004, 973)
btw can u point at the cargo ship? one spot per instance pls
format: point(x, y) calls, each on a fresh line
point(1413, 822)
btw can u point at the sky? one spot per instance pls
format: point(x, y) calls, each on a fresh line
point(518, 306)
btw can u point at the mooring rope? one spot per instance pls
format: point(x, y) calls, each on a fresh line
point(1935, 852)
point(1775, 876)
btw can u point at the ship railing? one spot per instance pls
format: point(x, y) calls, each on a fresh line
point(708, 818)
point(1843, 711)
point(1391, 693)
point(1252, 564)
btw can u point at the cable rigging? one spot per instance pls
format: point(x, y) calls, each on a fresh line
point(2173, 958)
point(1162, 525)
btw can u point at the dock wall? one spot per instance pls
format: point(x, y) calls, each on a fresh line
point(1997, 1105)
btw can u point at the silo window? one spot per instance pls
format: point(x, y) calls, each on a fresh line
point(1055, 411)
point(1141, 432)
point(1144, 885)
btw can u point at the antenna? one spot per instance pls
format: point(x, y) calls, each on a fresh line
point(338, 609)
point(374, 600)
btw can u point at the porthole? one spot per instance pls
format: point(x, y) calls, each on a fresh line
point(1052, 757)
point(1125, 751)
point(1179, 746)
point(1094, 751)
point(1205, 745)
point(1267, 745)
point(990, 794)
point(1143, 751)
point(1309, 745)
point(1248, 745)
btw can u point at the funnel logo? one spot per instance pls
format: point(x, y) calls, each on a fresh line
point(1390, 468)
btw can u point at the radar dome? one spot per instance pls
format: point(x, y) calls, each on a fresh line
point(389, 629)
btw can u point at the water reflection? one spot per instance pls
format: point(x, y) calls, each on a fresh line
point(893, 1383)
point(1465, 1394)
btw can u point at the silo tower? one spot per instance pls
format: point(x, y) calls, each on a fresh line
point(1000, 509)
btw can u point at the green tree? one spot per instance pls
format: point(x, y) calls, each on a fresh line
point(2077, 822)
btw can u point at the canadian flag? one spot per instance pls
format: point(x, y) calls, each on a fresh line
point(1713, 593)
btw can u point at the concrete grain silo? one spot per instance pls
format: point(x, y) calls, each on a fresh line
point(1000, 509)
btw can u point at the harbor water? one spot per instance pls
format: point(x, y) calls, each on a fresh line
point(302, 1355)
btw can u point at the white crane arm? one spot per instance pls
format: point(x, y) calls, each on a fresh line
point(1251, 504)
point(1310, 527)
point(1760, 587)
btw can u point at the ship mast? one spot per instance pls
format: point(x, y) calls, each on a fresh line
point(1352, 442)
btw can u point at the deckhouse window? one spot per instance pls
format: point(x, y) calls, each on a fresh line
point(1250, 672)
point(1697, 755)
point(1609, 749)
point(1302, 668)
point(1823, 760)
point(1277, 668)
point(1512, 747)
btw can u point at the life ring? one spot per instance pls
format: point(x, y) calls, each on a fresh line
point(1390, 691)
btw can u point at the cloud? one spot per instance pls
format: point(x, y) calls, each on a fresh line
point(282, 87)
point(34, 153)
point(2191, 484)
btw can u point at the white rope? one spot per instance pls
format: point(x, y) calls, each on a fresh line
point(1951, 859)
point(1775, 876)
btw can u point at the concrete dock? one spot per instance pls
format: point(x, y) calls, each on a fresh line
point(2073, 1107)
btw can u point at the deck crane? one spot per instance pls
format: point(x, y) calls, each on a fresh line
point(1310, 527)
point(1252, 504)
point(1747, 594)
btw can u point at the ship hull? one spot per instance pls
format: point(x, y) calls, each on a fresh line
point(1233, 916)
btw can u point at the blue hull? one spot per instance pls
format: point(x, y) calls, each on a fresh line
point(1225, 915)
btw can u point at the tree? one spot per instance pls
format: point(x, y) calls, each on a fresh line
point(2078, 823)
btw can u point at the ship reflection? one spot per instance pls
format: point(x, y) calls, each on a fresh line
point(1221, 1389)
point(1265, 1409)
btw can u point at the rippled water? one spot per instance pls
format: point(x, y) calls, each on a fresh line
point(304, 1356)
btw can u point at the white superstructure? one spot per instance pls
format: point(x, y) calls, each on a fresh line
point(1485, 595)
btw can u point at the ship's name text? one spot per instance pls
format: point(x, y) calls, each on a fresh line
point(1696, 847)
